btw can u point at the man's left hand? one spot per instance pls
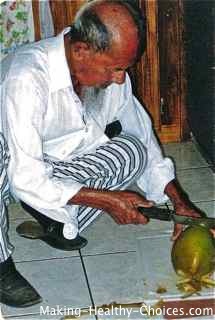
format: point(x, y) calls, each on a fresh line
point(182, 205)
point(185, 209)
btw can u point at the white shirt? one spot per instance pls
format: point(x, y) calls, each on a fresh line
point(45, 118)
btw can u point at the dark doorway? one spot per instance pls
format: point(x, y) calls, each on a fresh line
point(199, 42)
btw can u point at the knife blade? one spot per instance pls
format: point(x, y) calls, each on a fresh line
point(170, 215)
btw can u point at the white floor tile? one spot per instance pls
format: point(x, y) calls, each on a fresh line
point(208, 207)
point(198, 183)
point(185, 155)
point(115, 278)
point(105, 236)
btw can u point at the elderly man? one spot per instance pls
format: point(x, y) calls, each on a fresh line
point(61, 95)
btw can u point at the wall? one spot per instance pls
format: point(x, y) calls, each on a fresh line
point(16, 25)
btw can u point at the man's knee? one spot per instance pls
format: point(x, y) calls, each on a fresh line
point(135, 152)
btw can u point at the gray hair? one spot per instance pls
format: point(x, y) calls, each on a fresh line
point(89, 28)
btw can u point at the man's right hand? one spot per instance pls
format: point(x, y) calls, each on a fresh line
point(122, 206)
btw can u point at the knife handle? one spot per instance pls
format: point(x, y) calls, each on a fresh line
point(156, 213)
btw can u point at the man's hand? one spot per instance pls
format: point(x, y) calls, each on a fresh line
point(122, 206)
point(184, 209)
point(182, 205)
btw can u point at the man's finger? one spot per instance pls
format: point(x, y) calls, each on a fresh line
point(141, 219)
point(213, 232)
point(145, 204)
point(178, 228)
point(116, 219)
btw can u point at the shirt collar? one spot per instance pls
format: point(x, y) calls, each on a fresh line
point(58, 66)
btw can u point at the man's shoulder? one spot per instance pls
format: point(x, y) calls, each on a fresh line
point(31, 55)
point(28, 60)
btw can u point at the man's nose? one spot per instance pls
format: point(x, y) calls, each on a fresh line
point(118, 77)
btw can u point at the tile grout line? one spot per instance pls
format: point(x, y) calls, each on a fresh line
point(26, 316)
point(75, 257)
point(47, 259)
point(194, 168)
point(107, 253)
point(87, 281)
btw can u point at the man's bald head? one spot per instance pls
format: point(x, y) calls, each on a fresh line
point(107, 24)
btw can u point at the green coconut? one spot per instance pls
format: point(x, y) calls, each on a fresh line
point(193, 258)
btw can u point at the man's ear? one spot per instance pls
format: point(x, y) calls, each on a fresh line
point(81, 50)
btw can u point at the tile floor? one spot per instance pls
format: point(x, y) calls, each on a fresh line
point(122, 264)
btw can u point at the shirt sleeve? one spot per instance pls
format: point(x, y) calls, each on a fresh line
point(159, 170)
point(30, 177)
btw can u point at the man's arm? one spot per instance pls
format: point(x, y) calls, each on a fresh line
point(121, 205)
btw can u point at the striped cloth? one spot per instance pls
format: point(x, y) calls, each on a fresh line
point(113, 166)
point(5, 247)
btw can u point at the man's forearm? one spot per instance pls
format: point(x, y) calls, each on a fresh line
point(103, 199)
point(121, 205)
point(93, 198)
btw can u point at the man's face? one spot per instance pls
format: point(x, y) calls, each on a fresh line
point(102, 69)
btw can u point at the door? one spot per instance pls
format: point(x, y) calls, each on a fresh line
point(160, 75)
